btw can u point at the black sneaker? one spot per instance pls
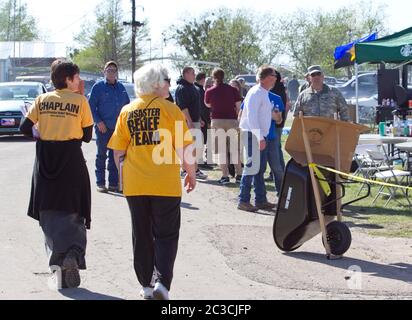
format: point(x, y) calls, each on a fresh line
point(70, 271)
point(113, 189)
point(269, 178)
point(238, 178)
point(224, 180)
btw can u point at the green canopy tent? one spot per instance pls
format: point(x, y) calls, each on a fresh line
point(395, 48)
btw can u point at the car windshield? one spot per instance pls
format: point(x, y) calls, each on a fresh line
point(19, 92)
point(250, 79)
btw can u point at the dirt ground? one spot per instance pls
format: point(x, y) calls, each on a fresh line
point(223, 253)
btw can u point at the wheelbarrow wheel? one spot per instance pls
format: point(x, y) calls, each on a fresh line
point(291, 249)
point(338, 237)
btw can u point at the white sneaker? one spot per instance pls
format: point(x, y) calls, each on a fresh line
point(160, 292)
point(147, 293)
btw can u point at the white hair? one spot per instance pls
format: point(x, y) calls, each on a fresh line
point(149, 78)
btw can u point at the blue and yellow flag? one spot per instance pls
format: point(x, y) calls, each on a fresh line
point(345, 55)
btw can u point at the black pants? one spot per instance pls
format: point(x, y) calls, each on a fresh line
point(156, 225)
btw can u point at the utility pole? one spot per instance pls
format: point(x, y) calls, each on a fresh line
point(135, 24)
point(348, 69)
point(14, 38)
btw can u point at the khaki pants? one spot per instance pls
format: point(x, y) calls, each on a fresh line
point(198, 139)
point(226, 139)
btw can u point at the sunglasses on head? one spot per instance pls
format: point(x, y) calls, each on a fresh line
point(316, 74)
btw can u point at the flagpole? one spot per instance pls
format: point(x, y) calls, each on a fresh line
point(357, 91)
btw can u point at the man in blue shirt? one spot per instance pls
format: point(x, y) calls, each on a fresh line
point(107, 98)
point(273, 141)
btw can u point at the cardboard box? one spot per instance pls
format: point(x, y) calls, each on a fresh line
point(323, 138)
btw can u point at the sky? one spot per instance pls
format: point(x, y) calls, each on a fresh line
point(161, 14)
point(61, 20)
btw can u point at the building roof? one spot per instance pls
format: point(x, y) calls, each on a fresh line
point(32, 49)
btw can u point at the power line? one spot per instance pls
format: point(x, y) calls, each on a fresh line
point(72, 23)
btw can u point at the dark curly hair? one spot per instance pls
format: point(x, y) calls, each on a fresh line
point(60, 71)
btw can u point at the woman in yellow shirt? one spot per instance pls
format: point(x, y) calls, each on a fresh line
point(152, 137)
point(60, 195)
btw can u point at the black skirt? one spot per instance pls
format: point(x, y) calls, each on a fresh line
point(60, 180)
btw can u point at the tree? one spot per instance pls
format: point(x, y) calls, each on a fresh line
point(15, 23)
point(232, 39)
point(310, 37)
point(107, 40)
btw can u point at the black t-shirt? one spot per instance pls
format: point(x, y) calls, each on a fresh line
point(187, 97)
point(280, 90)
point(204, 110)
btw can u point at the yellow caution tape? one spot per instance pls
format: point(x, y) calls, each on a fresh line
point(322, 180)
point(359, 179)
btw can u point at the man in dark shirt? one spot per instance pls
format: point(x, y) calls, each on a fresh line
point(293, 89)
point(224, 101)
point(107, 99)
point(188, 99)
point(204, 115)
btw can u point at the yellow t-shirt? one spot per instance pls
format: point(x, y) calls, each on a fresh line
point(150, 135)
point(61, 115)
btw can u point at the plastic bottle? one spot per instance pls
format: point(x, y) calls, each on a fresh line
point(405, 128)
point(382, 128)
point(398, 127)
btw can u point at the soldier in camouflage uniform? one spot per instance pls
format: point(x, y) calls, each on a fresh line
point(320, 100)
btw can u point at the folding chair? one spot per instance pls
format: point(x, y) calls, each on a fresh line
point(390, 175)
point(366, 166)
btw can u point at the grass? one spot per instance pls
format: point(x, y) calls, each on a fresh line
point(392, 221)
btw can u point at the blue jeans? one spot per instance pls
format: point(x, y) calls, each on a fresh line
point(102, 139)
point(279, 138)
point(255, 159)
point(275, 163)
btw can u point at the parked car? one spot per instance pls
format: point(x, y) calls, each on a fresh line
point(130, 90)
point(368, 86)
point(250, 79)
point(88, 85)
point(43, 79)
point(367, 108)
point(330, 81)
point(13, 98)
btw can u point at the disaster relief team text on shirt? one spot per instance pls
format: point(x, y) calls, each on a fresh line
point(143, 126)
point(149, 129)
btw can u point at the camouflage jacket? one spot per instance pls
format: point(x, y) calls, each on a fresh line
point(322, 104)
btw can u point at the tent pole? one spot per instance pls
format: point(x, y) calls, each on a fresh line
point(357, 92)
